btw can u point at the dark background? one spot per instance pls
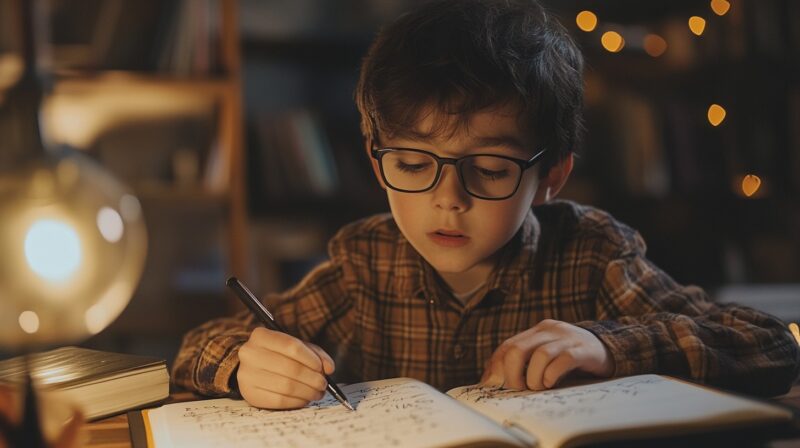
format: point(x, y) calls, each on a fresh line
point(650, 156)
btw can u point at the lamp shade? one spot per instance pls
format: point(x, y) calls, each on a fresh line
point(73, 245)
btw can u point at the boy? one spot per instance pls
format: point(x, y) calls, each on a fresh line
point(470, 111)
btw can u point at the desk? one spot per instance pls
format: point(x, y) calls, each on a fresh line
point(113, 432)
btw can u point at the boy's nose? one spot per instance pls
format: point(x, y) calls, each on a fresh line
point(448, 193)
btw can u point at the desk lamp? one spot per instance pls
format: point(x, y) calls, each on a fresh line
point(72, 238)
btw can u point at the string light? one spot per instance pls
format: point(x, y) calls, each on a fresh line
point(697, 25)
point(612, 41)
point(716, 114)
point(720, 7)
point(795, 331)
point(586, 20)
point(750, 184)
point(654, 45)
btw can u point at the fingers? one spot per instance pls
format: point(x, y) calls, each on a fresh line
point(286, 345)
point(548, 364)
point(278, 371)
point(259, 381)
point(260, 359)
point(327, 362)
point(509, 362)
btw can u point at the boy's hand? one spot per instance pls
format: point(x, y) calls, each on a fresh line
point(278, 371)
point(538, 358)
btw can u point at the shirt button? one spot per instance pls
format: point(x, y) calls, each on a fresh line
point(458, 351)
point(432, 302)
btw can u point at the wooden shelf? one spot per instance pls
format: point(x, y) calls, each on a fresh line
point(115, 80)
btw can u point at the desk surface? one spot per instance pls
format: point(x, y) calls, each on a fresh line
point(113, 431)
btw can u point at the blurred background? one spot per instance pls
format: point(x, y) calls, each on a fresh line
point(234, 123)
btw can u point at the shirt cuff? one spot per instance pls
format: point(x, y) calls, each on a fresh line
point(217, 375)
point(629, 345)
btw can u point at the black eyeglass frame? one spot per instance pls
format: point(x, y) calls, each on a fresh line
point(378, 153)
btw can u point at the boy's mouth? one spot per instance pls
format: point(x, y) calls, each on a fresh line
point(448, 238)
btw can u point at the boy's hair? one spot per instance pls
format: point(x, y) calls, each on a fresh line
point(457, 57)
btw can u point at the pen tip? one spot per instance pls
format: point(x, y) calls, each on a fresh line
point(230, 281)
point(348, 405)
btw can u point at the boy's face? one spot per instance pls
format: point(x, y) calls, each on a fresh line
point(455, 232)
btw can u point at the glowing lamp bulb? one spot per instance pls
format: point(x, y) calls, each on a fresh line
point(795, 331)
point(52, 250)
point(697, 25)
point(586, 20)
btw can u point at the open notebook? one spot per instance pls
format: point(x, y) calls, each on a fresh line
point(409, 413)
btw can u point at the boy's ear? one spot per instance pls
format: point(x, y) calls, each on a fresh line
point(376, 170)
point(550, 185)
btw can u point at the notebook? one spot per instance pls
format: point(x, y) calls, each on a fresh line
point(409, 413)
point(100, 383)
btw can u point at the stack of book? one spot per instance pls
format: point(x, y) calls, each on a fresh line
point(99, 383)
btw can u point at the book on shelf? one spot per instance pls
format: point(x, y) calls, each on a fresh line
point(99, 383)
point(295, 156)
point(407, 412)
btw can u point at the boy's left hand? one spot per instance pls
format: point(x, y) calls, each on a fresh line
point(539, 357)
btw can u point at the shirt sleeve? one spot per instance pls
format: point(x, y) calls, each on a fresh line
point(318, 307)
point(651, 324)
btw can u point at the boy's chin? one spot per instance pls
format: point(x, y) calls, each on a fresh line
point(451, 266)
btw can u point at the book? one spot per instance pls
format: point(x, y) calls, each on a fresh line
point(99, 383)
point(406, 412)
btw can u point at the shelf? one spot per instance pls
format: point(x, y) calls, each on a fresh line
point(327, 51)
point(113, 81)
point(166, 194)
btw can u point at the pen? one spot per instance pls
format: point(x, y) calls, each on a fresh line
point(266, 318)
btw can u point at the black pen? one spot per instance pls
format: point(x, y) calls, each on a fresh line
point(266, 318)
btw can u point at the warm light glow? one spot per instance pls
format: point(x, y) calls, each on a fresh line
point(586, 20)
point(612, 41)
point(52, 249)
point(29, 322)
point(110, 224)
point(795, 331)
point(697, 25)
point(750, 184)
point(96, 319)
point(130, 208)
point(716, 114)
point(720, 7)
point(654, 45)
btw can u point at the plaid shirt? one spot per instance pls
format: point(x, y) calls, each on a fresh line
point(380, 304)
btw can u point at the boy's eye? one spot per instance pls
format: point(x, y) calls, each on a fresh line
point(412, 167)
point(486, 173)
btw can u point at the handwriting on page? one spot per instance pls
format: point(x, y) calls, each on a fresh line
point(386, 415)
point(581, 401)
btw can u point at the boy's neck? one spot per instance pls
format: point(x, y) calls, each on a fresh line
point(461, 282)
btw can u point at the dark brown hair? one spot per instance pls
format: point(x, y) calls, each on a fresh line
point(457, 57)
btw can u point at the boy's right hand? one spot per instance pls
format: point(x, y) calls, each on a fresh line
point(278, 371)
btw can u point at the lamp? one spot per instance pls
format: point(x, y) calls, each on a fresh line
point(72, 237)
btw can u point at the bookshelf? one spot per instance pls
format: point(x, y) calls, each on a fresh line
point(675, 178)
point(166, 118)
point(647, 115)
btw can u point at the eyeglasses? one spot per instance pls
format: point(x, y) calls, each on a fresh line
point(484, 176)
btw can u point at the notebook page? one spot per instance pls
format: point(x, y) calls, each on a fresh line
point(655, 403)
point(396, 412)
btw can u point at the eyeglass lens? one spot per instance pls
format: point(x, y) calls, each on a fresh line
point(483, 176)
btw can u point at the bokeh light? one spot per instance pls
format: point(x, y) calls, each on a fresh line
point(586, 20)
point(612, 41)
